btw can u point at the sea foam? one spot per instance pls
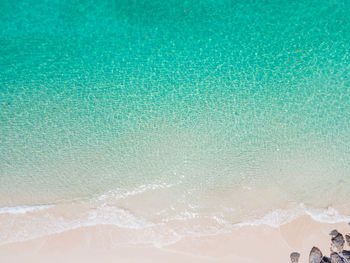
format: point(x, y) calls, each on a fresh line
point(29, 222)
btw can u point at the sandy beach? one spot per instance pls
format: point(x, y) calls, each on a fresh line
point(250, 244)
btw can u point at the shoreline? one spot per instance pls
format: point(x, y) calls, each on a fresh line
point(246, 244)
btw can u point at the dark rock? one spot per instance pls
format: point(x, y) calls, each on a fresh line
point(315, 255)
point(335, 258)
point(337, 243)
point(326, 260)
point(347, 238)
point(346, 255)
point(333, 233)
point(294, 257)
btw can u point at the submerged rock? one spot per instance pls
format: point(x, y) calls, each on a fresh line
point(315, 255)
point(294, 257)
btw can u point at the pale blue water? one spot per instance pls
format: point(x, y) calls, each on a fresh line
point(237, 106)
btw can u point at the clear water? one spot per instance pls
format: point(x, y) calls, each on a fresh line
point(174, 110)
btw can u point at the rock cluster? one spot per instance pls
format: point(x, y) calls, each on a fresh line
point(338, 253)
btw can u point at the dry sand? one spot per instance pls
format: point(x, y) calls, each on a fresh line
point(248, 244)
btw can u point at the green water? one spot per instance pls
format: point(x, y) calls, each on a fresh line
point(210, 96)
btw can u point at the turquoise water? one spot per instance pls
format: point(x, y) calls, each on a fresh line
point(225, 108)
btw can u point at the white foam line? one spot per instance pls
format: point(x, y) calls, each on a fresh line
point(22, 209)
point(105, 214)
point(327, 216)
point(279, 217)
point(49, 225)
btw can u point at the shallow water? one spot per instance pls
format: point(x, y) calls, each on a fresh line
point(219, 109)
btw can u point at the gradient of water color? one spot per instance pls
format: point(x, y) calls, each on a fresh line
point(143, 113)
